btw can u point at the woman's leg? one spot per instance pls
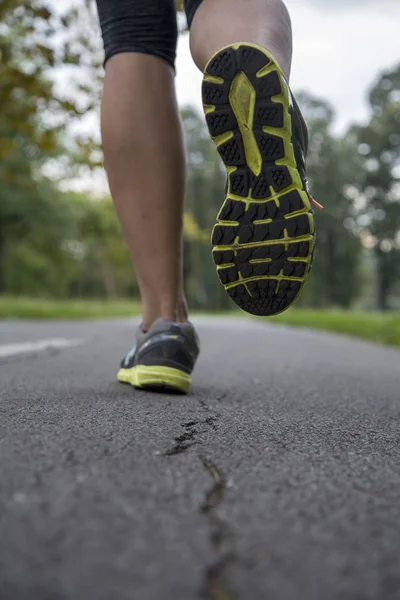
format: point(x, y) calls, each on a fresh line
point(218, 23)
point(143, 146)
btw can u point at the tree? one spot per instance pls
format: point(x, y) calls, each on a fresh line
point(35, 41)
point(378, 217)
point(332, 166)
point(103, 267)
point(205, 193)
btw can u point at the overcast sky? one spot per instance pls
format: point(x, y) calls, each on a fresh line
point(339, 47)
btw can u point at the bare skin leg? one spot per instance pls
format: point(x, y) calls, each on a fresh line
point(143, 144)
point(218, 23)
point(145, 164)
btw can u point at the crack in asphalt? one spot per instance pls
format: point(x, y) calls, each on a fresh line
point(215, 579)
point(188, 438)
point(216, 584)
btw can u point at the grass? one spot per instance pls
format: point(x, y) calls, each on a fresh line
point(383, 328)
point(34, 308)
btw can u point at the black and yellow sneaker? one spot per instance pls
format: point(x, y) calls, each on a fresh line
point(264, 236)
point(162, 358)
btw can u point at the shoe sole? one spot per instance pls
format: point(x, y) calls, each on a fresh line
point(264, 236)
point(156, 379)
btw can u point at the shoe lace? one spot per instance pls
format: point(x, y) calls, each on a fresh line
point(307, 188)
point(316, 203)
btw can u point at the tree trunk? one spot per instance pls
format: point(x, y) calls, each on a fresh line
point(2, 258)
point(384, 278)
point(108, 277)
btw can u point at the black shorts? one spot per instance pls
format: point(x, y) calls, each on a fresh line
point(147, 26)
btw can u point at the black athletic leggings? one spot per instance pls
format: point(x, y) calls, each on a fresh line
point(147, 26)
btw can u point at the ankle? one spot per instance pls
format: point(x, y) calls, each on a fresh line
point(181, 314)
point(176, 312)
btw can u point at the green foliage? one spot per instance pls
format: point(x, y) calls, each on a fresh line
point(63, 244)
point(205, 192)
point(33, 255)
point(102, 265)
point(60, 244)
point(36, 42)
point(378, 215)
point(35, 218)
point(331, 166)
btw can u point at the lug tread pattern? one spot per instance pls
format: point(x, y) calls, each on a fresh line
point(264, 241)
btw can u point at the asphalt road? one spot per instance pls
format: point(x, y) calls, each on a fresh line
point(278, 478)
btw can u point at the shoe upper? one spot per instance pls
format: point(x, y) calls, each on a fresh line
point(165, 344)
point(300, 135)
point(300, 142)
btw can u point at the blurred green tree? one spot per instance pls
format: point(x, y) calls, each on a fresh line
point(378, 215)
point(59, 243)
point(36, 41)
point(103, 267)
point(332, 166)
point(205, 192)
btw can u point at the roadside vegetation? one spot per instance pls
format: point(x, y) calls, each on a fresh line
point(383, 328)
point(62, 241)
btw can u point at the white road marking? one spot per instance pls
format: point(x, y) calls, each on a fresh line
point(39, 346)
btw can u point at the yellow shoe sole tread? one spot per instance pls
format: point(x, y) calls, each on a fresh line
point(264, 236)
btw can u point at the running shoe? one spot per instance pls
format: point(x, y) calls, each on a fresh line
point(162, 358)
point(264, 236)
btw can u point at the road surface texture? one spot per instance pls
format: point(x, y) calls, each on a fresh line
point(277, 478)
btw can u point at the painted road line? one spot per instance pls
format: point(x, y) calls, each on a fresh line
point(39, 346)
